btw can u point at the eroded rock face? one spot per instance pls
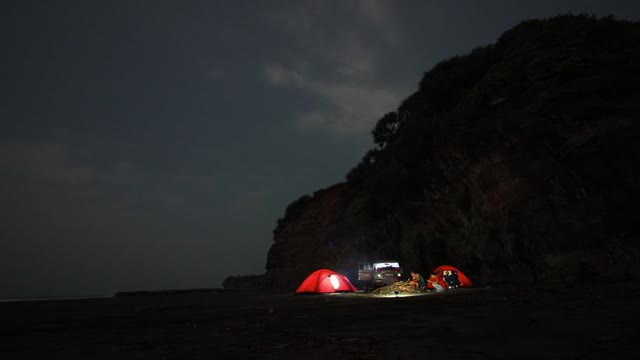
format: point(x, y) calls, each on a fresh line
point(517, 162)
point(328, 233)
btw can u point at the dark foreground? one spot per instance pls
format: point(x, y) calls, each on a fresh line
point(542, 322)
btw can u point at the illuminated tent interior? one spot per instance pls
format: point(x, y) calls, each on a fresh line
point(439, 275)
point(325, 281)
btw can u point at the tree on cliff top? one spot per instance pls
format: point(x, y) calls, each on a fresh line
point(551, 70)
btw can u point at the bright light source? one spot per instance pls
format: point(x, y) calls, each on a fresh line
point(334, 281)
point(386, 296)
point(386, 265)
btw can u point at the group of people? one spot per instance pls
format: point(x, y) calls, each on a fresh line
point(450, 278)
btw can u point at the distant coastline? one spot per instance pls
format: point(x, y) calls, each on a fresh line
point(117, 294)
point(50, 298)
point(166, 292)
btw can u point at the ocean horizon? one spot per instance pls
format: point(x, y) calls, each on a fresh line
point(49, 298)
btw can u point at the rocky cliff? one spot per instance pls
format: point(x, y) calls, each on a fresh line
point(515, 162)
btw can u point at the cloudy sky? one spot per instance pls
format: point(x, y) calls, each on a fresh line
point(154, 144)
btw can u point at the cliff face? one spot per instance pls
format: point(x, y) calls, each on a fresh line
point(516, 161)
point(326, 233)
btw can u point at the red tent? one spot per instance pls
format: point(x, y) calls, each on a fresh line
point(437, 276)
point(325, 281)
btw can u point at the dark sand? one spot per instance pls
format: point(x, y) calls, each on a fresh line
point(542, 322)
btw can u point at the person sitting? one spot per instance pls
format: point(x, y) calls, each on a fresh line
point(451, 278)
point(417, 281)
point(433, 280)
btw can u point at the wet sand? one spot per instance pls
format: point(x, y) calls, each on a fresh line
point(541, 322)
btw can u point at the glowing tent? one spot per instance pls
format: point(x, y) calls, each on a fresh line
point(438, 275)
point(325, 281)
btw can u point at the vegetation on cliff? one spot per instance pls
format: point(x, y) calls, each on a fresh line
point(515, 161)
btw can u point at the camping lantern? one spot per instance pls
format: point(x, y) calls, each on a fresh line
point(334, 281)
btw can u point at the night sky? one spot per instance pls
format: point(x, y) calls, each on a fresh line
point(150, 145)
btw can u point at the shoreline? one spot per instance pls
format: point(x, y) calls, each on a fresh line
point(595, 321)
point(53, 298)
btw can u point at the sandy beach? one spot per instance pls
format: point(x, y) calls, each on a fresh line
point(540, 322)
